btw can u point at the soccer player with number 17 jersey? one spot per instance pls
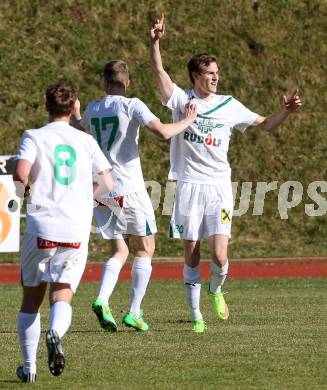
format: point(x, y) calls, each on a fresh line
point(127, 213)
point(62, 161)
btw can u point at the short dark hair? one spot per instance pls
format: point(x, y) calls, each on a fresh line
point(116, 73)
point(196, 63)
point(60, 98)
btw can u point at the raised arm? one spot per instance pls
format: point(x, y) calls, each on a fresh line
point(290, 105)
point(168, 130)
point(75, 118)
point(164, 82)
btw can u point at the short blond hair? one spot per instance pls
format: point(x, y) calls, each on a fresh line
point(116, 73)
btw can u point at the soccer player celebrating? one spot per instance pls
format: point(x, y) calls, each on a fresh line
point(203, 205)
point(61, 160)
point(127, 213)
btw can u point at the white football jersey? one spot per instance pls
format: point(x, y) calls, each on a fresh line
point(114, 121)
point(199, 153)
point(63, 160)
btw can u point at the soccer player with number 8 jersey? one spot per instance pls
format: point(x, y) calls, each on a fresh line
point(62, 161)
point(126, 214)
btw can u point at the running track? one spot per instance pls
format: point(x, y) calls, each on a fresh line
point(173, 269)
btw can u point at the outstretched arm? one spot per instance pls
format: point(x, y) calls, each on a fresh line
point(164, 82)
point(290, 104)
point(168, 130)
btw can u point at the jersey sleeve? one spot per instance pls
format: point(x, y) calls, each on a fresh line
point(99, 160)
point(140, 112)
point(178, 99)
point(243, 116)
point(27, 149)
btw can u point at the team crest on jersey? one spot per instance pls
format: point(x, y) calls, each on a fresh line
point(207, 125)
point(225, 216)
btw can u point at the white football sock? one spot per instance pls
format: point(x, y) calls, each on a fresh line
point(110, 275)
point(141, 272)
point(29, 330)
point(60, 317)
point(192, 282)
point(218, 276)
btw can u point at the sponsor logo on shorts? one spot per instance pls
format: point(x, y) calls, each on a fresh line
point(71, 262)
point(46, 244)
point(225, 216)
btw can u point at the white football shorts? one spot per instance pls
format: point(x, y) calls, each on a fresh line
point(126, 215)
point(56, 264)
point(201, 211)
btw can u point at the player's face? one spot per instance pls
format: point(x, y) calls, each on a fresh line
point(206, 82)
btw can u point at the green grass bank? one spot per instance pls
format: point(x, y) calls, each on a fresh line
point(265, 49)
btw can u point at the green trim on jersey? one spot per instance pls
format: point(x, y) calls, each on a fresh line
point(171, 235)
point(214, 109)
point(147, 229)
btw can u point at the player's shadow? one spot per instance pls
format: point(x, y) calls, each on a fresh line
point(87, 331)
point(178, 321)
point(9, 381)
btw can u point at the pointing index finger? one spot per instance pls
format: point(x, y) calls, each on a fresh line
point(295, 92)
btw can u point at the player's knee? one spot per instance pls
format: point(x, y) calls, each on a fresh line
point(121, 254)
point(150, 248)
point(220, 258)
point(30, 306)
point(146, 251)
point(192, 258)
point(145, 247)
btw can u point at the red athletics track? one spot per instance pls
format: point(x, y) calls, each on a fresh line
point(173, 269)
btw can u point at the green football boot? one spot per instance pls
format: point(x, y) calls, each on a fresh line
point(135, 322)
point(103, 312)
point(219, 305)
point(199, 326)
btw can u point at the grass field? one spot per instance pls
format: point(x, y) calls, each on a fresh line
point(275, 339)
